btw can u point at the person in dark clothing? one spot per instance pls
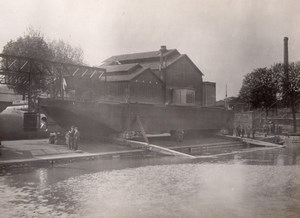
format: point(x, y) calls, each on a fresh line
point(76, 138)
point(272, 128)
point(238, 131)
point(243, 131)
point(253, 132)
point(71, 137)
point(248, 131)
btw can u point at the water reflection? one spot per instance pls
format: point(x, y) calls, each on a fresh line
point(256, 184)
point(183, 190)
point(42, 174)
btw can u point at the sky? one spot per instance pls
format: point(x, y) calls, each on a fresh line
point(226, 39)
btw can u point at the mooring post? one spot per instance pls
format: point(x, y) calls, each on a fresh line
point(30, 106)
point(142, 129)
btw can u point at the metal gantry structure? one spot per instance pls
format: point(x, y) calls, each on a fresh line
point(18, 70)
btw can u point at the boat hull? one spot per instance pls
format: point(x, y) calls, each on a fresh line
point(107, 117)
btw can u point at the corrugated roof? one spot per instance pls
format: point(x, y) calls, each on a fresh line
point(127, 77)
point(124, 77)
point(138, 56)
point(155, 65)
point(127, 66)
point(147, 59)
point(120, 67)
point(114, 73)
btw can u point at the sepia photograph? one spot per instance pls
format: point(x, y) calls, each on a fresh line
point(150, 108)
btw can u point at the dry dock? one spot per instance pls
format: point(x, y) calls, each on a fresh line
point(39, 153)
point(36, 153)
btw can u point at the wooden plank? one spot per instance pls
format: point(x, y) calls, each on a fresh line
point(159, 149)
point(260, 143)
point(206, 145)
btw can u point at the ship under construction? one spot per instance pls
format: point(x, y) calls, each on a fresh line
point(149, 92)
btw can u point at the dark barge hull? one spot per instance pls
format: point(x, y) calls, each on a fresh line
point(107, 117)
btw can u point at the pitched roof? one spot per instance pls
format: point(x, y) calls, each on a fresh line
point(136, 57)
point(125, 72)
point(128, 77)
point(155, 65)
point(147, 59)
point(187, 57)
point(123, 77)
point(120, 67)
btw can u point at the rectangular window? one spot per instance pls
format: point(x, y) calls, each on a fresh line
point(190, 96)
point(183, 96)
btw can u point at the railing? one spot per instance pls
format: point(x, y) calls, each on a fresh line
point(32, 72)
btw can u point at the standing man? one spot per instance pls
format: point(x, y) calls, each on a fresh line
point(242, 131)
point(76, 138)
point(71, 138)
point(238, 131)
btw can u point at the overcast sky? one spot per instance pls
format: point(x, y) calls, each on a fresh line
point(226, 39)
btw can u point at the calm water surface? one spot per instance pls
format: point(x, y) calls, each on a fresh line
point(256, 184)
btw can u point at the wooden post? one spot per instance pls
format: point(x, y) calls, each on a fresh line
point(142, 129)
point(61, 83)
point(30, 88)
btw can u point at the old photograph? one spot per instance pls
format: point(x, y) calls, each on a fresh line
point(150, 108)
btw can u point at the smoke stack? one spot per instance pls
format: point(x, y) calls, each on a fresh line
point(286, 54)
point(163, 49)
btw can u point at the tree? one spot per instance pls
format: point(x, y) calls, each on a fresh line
point(235, 103)
point(260, 88)
point(64, 52)
point(289, 87)
point(31, 45)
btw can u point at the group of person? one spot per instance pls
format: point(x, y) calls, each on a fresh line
point(241, 131)
point(72, 138)
point(270, 128)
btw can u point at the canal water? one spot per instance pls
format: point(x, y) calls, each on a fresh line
point(262, 183)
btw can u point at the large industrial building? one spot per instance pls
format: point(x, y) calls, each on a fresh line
point(152, 92)
point(158, 77)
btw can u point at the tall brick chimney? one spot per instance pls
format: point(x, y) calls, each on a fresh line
point(162, 50)
point(285, 54)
